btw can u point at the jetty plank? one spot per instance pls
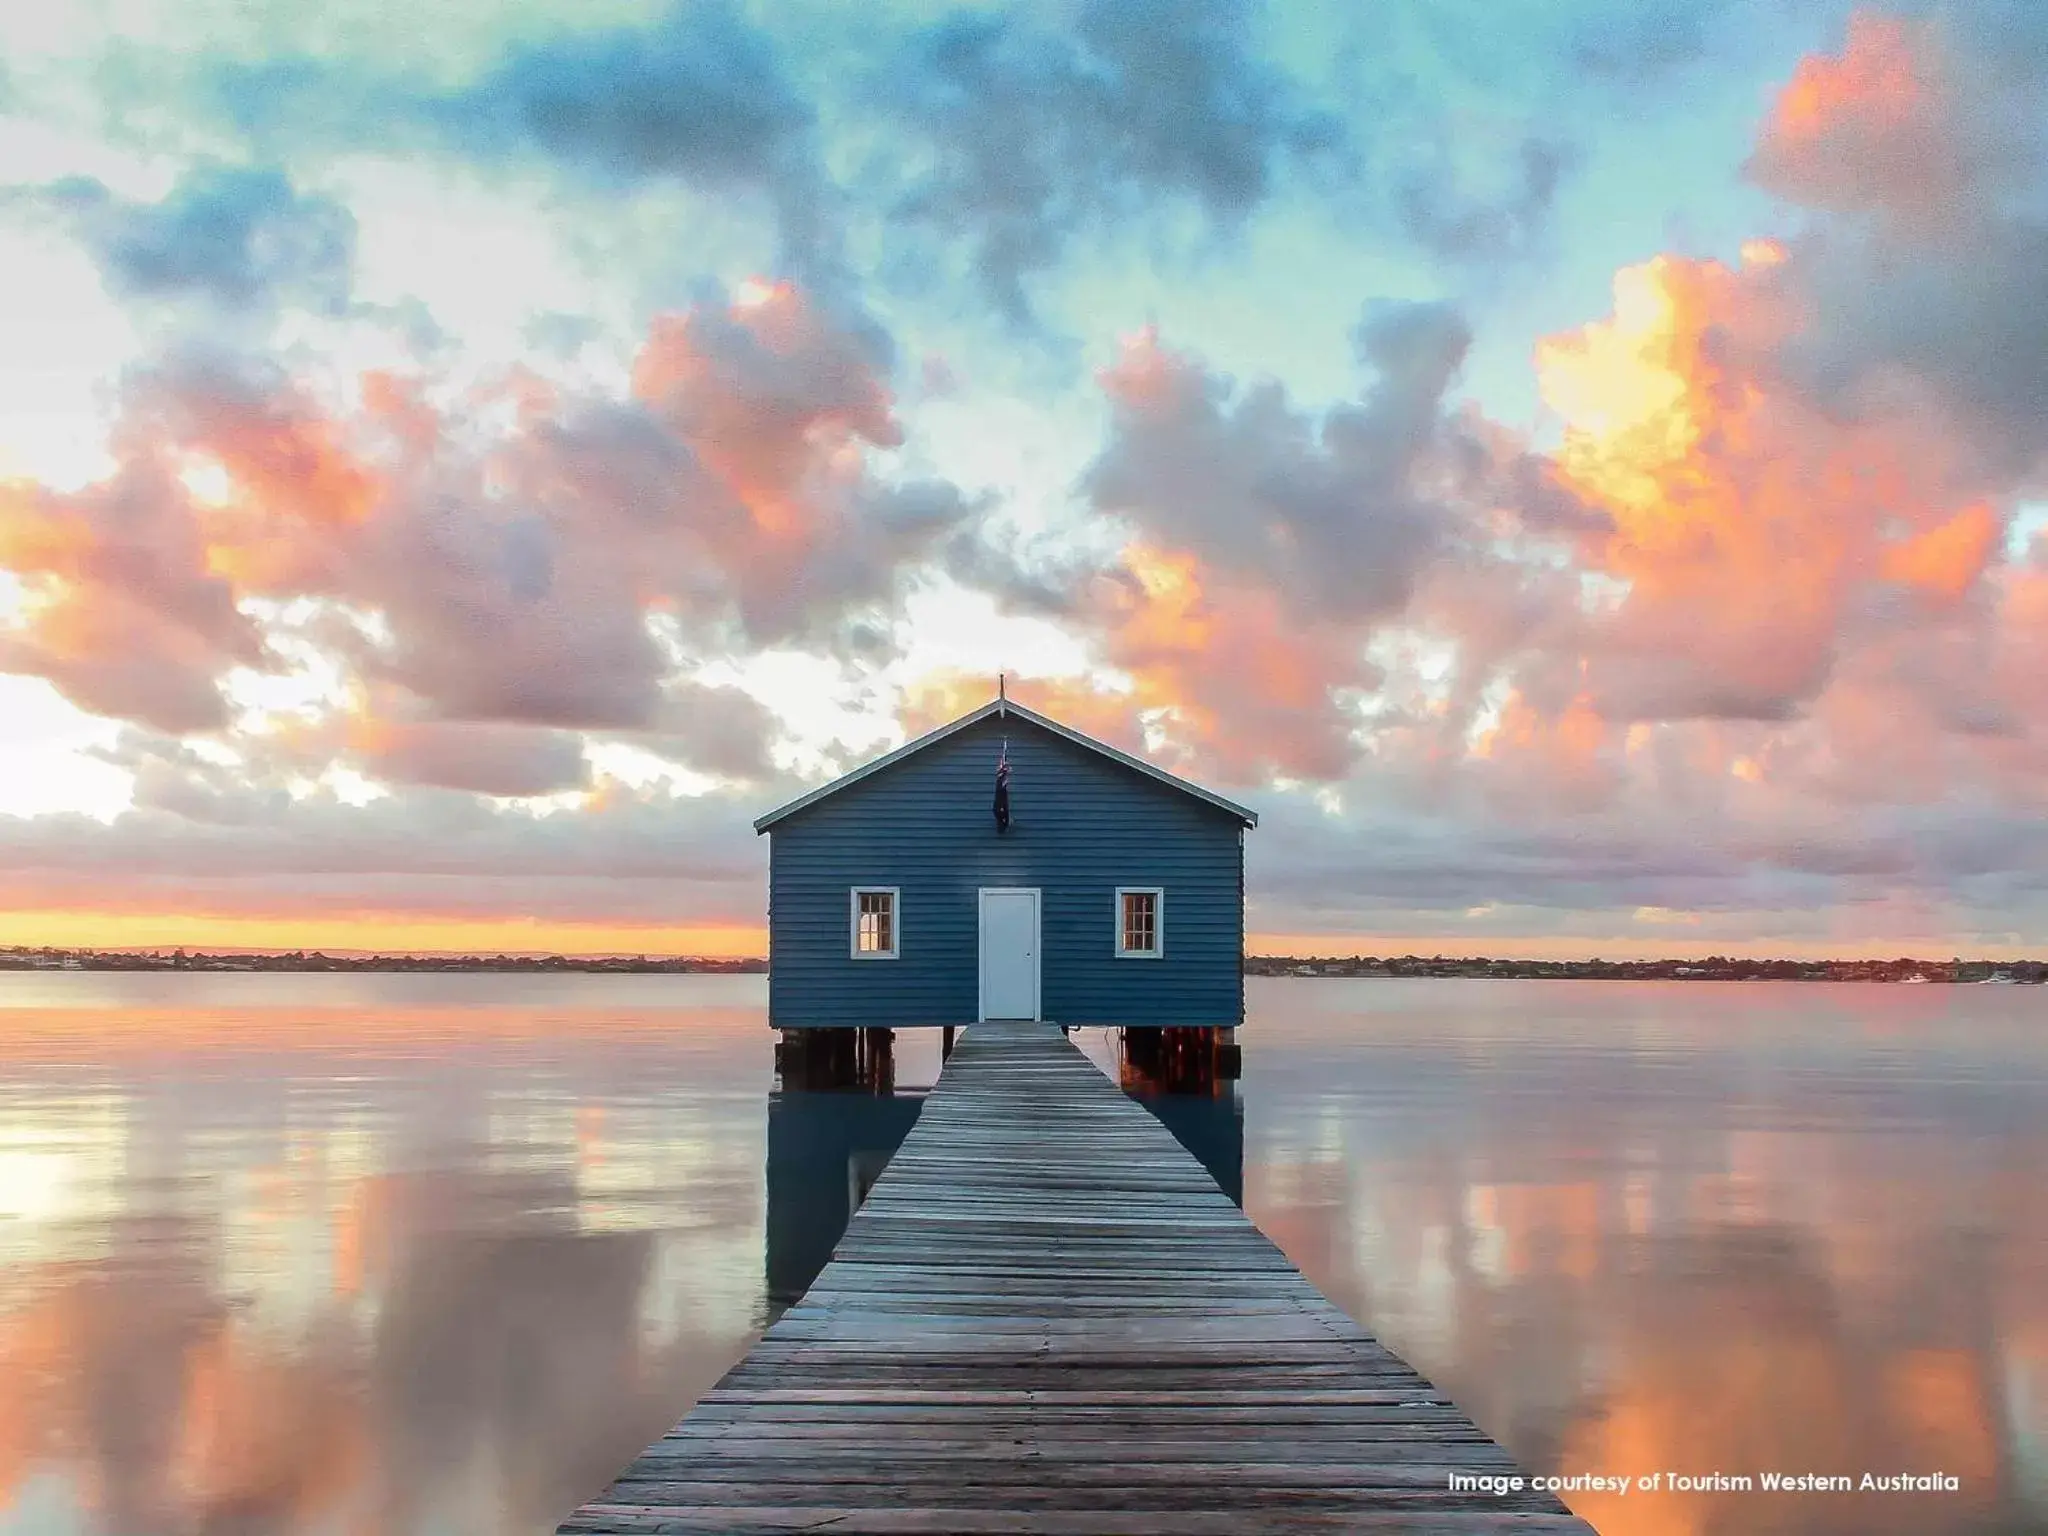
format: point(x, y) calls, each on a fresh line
point(1046, 1317)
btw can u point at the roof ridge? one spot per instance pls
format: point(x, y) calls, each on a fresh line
point(1003, 706)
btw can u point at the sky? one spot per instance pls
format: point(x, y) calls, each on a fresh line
point(1575, 468)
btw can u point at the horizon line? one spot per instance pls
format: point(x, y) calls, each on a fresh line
point(1359, 956)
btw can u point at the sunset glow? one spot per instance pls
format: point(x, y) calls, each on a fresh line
point(476, 528)
point(383, 933)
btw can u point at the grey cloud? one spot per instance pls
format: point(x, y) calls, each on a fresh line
point(699, 96)
point(1044, 578)
point(1034, 134)
point(134, 672)
point(1966, 314)
point(1925, 252)
point(719, 730)
point(632, 855)
point(243, 237)
point(1445, 212)
point(505, 619)
point(1394, 855)
point(485, 758)
point(1328, 512)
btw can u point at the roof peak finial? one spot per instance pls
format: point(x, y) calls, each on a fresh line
point(1002, 694)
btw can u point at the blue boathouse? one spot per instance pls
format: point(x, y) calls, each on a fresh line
point(1006, 866)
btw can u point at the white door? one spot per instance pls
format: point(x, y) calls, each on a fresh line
point(1009, 953)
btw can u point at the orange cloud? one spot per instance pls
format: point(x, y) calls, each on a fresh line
point(1947, 559)
point(1748, 525)
point(770, 397)
point(124, 613)
point(1238, 682)
point(1564, 759)
point(288, 460)
point(1871, 126)
point(1877, 78)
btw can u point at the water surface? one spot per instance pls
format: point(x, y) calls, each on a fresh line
point(440, 1253)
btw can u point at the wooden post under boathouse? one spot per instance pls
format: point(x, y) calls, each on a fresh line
point(1006, 867)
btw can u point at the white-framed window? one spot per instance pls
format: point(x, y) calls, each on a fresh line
point(873, 915)
point(1140, 922)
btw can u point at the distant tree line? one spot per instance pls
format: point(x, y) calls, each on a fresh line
point(1713, 968)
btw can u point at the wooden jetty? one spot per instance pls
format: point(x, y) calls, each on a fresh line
point(1047, 1318)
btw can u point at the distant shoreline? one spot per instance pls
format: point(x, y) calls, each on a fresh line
point(1717, 968)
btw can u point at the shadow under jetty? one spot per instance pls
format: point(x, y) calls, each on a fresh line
point(826, 1148)
point(1187, 1078)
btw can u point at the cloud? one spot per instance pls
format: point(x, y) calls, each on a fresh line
point(1265, 546)
point(242, 238)
point(1646, 40)
point(1028, 136)
point(1329, 512)
point(776, 401)
point(989, 142)
point(1466, 122)
point(208, 839)
point(719, 730)
point(1454, 128)
point(1755, 536)
point(522, 558)
point(1747, 642)
point(124, 612)
point(700, 94)
point(1445, 214)
point(484, 758)
point(700, 97)
point(1919, 152)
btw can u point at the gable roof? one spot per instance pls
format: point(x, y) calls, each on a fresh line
point(1005, 707)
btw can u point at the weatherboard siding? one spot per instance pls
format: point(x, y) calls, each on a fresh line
point(1080, 826)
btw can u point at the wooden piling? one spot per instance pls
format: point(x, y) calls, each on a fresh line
point(836, 1058)
point(1192, 1059)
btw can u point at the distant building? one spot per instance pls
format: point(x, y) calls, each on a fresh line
point(1006, 866)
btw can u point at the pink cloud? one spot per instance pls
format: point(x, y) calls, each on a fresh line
point(512, 572)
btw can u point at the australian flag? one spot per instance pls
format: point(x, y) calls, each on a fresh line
point(1003, 790)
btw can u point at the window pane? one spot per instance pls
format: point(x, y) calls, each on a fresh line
point(875, 933)
point(1140, 921)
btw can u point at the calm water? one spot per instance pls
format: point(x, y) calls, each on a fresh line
point(383, 1255)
